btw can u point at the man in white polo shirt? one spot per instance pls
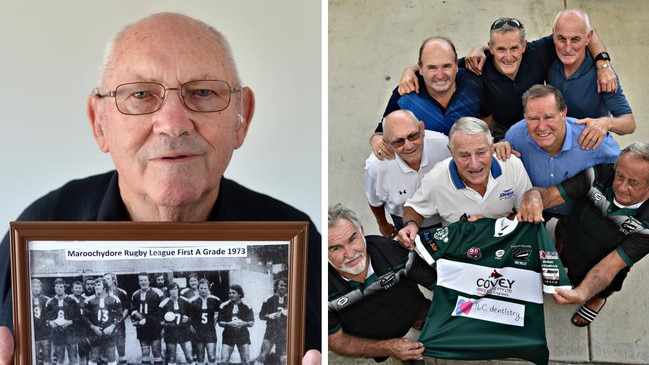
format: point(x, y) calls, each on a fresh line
point(388, 183)
point(470, 183)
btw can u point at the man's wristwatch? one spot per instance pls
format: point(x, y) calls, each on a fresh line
point(602, 56)
point(411, 221)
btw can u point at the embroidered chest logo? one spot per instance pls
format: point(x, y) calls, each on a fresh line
point(388, 280)
point(402, 192)
point(474, 253)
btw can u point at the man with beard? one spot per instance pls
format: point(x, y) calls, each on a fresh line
point(161, 283)
point(371, 278)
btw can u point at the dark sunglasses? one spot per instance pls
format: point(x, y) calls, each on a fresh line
point(509, 21)
point(401, 141)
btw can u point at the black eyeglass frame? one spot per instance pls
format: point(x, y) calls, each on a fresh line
point(113, 94)
point(512, 22)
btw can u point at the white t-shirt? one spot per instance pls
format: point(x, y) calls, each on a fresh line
point(391, 182)
point(442, 191)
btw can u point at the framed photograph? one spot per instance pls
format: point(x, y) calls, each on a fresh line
point(159, 292)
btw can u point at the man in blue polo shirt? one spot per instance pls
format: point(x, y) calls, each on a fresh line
point(449, 93)
point(574, 72)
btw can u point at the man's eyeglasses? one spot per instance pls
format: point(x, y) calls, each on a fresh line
point(401, 141)
point(137, 98)
point(499, 23)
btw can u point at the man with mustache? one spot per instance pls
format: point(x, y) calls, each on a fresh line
point(170, 110)
point(373, 294)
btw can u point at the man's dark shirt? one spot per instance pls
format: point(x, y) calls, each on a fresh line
point(502, 94)
point(97, 198)
point(467, 101)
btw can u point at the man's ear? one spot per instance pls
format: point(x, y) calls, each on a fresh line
point(246, 113)
point(95, 124)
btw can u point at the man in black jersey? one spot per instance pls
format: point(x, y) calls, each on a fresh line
point(609, 230)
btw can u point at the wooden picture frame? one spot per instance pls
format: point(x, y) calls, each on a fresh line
point(251, 254)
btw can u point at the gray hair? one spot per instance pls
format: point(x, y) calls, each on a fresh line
point(470, 126)
point(578, 12)
point(638, 150)
point(338, 211)
point(109, 52)
point(539, 91)
point(507, 28)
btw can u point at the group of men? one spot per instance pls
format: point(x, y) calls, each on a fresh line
point(550, 105)
point(87, 326)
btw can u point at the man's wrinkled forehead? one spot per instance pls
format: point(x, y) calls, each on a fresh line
point(193, 50)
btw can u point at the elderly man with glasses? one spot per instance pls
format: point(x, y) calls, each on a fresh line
point(170, 110)
point(388, 183)
point(509, 65)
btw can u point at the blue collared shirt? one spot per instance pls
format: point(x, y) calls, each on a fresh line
point(580, 92)
point(545, 170)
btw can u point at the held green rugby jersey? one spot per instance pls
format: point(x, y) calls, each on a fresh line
point(488, 300)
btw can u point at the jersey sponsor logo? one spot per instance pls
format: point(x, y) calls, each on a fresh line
point(506, 194)
point(521, 254)
point(597, 196)
point(630, 225)
point(548, 255)
point(491, 310)
point(388, 280)
point(478, 280)
point(342, 301)
point(495, 284)
point(441, 234)
point(474, 253)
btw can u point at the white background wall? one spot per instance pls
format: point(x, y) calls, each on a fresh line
point(50, 52)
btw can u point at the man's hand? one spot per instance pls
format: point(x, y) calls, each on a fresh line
point(6, 346)
point(531, 209)
point(312, 357)
point(476, 59)
point(606, 80)
point(504, 150)
point(594, 133)
point(408, 82)
point(405, 349)
point(571, 296)
point(387, 230)
point(406, 236)
point(109, 330)
point(380, 148)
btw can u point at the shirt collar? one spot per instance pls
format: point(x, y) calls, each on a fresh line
point(496, 171)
